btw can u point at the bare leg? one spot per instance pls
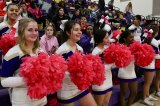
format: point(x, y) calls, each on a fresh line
point(123, 92)
point(87, 100)
point(148, 77)
point(133, 92)
point(70, 104)
point(99, 99)
point(157, 81)
point(107, 98)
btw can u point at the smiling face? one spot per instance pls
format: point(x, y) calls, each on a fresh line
point(31, 32)
point(12, 12)
point(75, 33)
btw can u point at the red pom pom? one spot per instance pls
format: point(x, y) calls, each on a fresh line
point(2, 13)
point(143, 53)
point(35, 71)
point(123, 56)
point(2, 5)
point(42, 74)
point(98, 69)
point(56, 73)
point(7, 41)
point(109, 53)
point(118, 54)
point(81, 70)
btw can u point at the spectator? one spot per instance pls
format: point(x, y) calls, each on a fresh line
point(86, 40)
point(58, 17)
point(48, 41)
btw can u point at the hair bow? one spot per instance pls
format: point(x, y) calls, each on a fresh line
point(104, 19)
point(148, 33)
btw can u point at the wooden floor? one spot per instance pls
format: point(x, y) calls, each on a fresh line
point(157, 103)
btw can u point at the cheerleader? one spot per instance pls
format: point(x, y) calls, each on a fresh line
point(127, 75)
point(149, 70)
point(28, 44)
point(69, 92)
point(12, 14)
point(103, 92)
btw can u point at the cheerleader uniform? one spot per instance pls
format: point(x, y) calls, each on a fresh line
point(151, 66)
point(69, 92)
point(4, 28)
point(107, 84)
point(10, 78)
point(127, 74)
point(137, 33)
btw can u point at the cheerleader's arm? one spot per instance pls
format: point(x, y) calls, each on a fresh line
point(12, 82)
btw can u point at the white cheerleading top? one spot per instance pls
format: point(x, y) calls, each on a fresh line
point(69, 89)
point(155, 45)
point(108, 74)
point(19, 89)
point(127, 72)
point(137, 33)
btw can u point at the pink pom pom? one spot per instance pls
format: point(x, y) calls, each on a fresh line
point(7, 41)
point(143, 53)
point(57, 72)
point(98, 69)
point(123, 56)
point(109, 53)
point(81, 70)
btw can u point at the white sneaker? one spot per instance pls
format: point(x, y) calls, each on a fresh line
point(152, 98)
point(158, 94)
point(147, 102)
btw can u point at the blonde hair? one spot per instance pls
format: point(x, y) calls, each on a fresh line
point(23, 23)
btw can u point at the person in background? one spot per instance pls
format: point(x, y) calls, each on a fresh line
point(25, 12)
point(52, 11)
point(48, 42)
point(101, 5)
point(129, 12)
point(86, 41)
point(60, 15)
point(137, 28)
point(77, 15)
point(83, 23)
